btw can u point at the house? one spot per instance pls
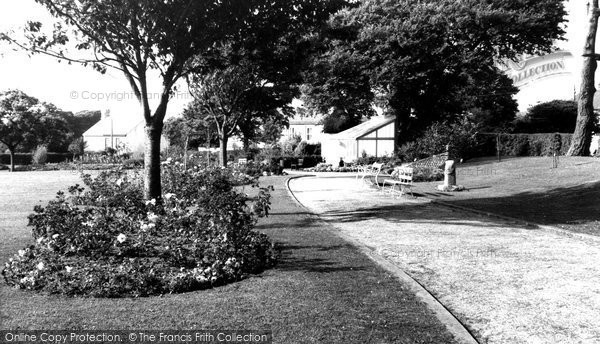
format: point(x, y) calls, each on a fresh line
point(117, 131)
point(374, 137)
point(309, 129)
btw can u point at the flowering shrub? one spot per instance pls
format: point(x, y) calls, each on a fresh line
point(104, 240)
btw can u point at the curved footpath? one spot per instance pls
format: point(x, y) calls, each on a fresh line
point(507, 284)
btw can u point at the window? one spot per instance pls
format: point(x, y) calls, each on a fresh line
point(308, 131)
point(107, 143)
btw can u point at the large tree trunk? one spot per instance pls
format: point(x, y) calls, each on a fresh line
point(152, 184)
point(580, 143)
point(223, 150)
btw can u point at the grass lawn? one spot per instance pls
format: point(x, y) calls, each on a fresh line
point(322, 291)
point(508, 284)
point(530, 189)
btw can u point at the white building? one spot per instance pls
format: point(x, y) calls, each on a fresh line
point(308, 128)
point(117, 130)
point(374, 137)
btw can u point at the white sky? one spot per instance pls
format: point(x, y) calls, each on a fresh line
point(70, 87)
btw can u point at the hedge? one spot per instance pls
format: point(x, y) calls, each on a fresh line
point(26, 158)
point(308, 160)
point(522, 144)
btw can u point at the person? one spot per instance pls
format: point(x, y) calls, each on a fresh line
point(341, 164)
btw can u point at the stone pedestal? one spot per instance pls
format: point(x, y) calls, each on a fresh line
point(449, 174)
point(450, 178)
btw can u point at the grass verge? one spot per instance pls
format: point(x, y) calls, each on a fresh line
point(530, 189)
point(322, 291)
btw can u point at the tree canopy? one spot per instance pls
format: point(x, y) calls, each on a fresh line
point(556, 116)
point(238, 99)
point(167, 36)
point(429, 60)
point(26, 122)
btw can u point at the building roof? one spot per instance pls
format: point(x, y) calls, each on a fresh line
point(121, 126)
point(305, 121)
point(365, 128)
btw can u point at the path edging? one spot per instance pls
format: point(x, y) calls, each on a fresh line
point(453, 325)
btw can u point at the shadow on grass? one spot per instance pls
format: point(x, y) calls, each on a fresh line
point(576, 208)
point(316, 258)
point(411, 213)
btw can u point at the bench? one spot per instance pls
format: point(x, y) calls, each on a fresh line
point(401, 177)
point(371, 171)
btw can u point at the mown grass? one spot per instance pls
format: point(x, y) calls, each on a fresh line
point(322, 291)
point(529, 188)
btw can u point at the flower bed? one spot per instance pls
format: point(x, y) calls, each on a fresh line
point(421, 174)
point(104, 240)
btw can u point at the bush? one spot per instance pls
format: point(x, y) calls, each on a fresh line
point(553, 116)
point(460, 136)
point(526, 144)
point(427, 174)
point(104, 240)
point(40, 156)
point(27, 158)
point(308, 160)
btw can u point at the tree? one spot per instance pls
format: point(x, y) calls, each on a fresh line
point(81, 121)
point(271, 131)
point(557, 116)
point(236, 98)
point(137, 36)
point(18, 121)
point(263, 126)
point(582, 136)
point(432, 60)
point(340, 120)
point(77, 147)
point(185, 131)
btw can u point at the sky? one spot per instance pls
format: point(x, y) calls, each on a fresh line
point(70, 87)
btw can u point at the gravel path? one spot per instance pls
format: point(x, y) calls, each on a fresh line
point(506, 284)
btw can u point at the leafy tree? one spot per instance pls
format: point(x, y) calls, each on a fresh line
point(236, 97)
point(54, 131)
point(271, 132)
point(188, 131)
point(137, 36)
point(586, 119)
point(18, 121)
point(263, 126)
point(557, 116)
point(431, 60)
point(339, 120)
point(81, 121)
point(77, 147)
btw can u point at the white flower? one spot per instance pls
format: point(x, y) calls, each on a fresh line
point(152, 201)
point(119, 182)
point(88, 224)
point(68, 268)
point(21, 253)
point(121, 238)
point(146, 226)
point(169, 195)
point(55, 236)
point(40, 266)
point(152, 217)
point(40, 239)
